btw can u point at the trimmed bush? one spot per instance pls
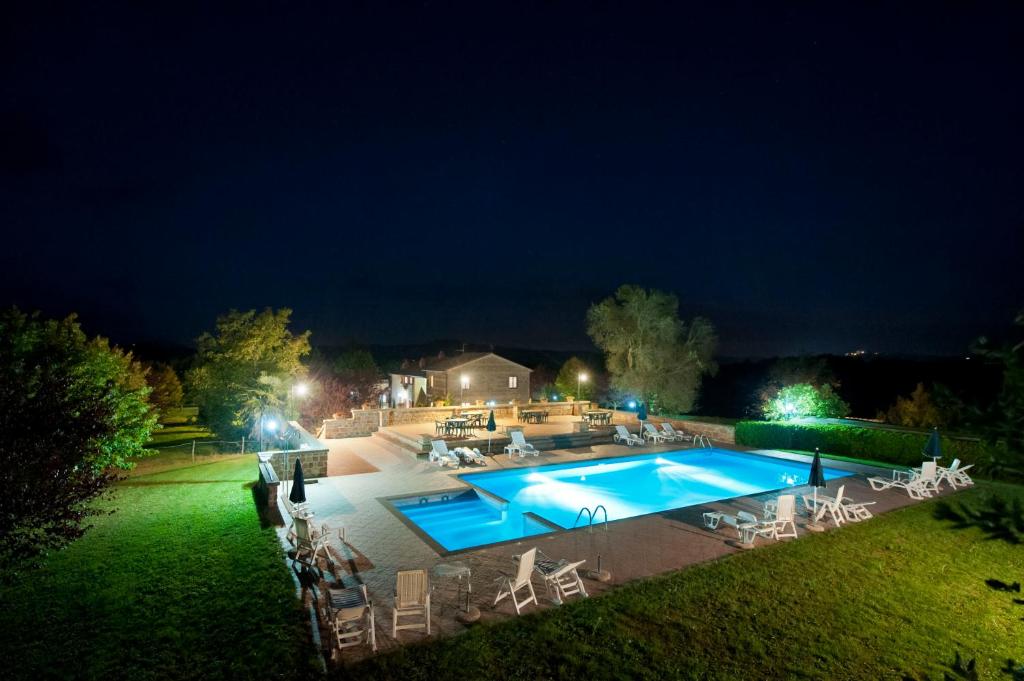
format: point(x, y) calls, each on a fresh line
point(890, 446)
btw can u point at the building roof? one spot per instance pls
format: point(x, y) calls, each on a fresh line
point(449, 363)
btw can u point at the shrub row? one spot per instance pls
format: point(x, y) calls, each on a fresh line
point(890, 446)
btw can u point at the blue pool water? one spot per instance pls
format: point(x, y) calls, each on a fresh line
point(627, 487)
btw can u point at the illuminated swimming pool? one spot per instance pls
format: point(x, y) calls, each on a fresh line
point(551, 496)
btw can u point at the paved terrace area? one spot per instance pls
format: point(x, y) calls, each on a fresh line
point(554, 425)
point(377, 543)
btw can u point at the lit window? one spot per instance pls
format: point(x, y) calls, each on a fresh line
point(513, 381)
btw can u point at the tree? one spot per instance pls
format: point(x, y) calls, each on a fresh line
point(72, 411)
point(918, 410)
point(794, 371)
point(245, 368)
point(567, 383)
point(358, 369)
point(1002, 422)
point(805, 400)
point(328, 396)
point(649, 351)
point(166, 388)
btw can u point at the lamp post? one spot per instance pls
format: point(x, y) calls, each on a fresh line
point(464, 383)
point(580, 378)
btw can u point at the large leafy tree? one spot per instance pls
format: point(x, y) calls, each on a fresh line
point(805, 400)
point(649, 351)
point(1002, 423)
point(166, 387)
point(567, 383)
point(248, 365)
point(919, 410)
point(72, 411)
point(359, 371)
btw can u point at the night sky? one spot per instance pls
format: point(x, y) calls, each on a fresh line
point(812, 179)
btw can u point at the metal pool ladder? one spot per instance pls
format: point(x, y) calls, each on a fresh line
point(702, 440)
point(590, 517)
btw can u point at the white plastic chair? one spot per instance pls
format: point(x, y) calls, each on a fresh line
point(508, 587)
point(412, 599)
point(439, 454)
point(624, 437)
point(350, 615)
point(651, 433)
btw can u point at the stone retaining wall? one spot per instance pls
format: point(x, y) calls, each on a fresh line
point(718, 432)
point(310, 451)
point(364, 422)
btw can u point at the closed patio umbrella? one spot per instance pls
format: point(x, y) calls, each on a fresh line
point(816, 479)
point(491, 427)
point(933, 448)
point(298, 493)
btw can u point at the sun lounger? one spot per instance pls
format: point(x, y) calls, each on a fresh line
point(509, 586)
point(919, 484)
point(310, 545)
point(561, 578)
point(624, 437)
point(673, 434)
point(440, 455)
point(652, 434)
point(470, 456)
point(519, 445)
point(954, 475)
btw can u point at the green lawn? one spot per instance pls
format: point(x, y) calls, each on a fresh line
point(896, 596)
point(180, 582)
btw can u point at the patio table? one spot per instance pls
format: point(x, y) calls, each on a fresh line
point(456, 570)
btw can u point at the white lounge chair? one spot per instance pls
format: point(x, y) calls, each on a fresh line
point(624, 437)
point(826, 506)
point(509, 586)
point(713, 519)
point(919, 483)
point(412, 599)
point(653, 434)
point(350, 617)
point(440, 455)
point(781, 513)
point(856, 511)
point(954, 475)
point(673, 434)
point(309, 544)
point(470, 456)
point(561, 578)
point(519, 445)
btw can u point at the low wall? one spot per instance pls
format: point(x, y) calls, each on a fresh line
point(308, 449)
point(364, 422)
point(718, 432)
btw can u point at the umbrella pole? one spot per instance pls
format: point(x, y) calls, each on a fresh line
point(814, 526)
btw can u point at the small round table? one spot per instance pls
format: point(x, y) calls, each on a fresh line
point(459, 571)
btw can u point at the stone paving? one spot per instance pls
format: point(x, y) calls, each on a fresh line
point(380, 543)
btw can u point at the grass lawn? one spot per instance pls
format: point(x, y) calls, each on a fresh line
point(896, 596)
point(181, 582)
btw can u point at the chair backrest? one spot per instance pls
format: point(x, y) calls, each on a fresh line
point(954, 466)
point(928, 471)
point(526, 562)
point(650, 428)
point(518, 438)
point(839, 494)
point(621, 430)
point(410, 588)
point(786, 507)
point(303, 533)
point(667, 427)
point(440, 446)
point(353, 608)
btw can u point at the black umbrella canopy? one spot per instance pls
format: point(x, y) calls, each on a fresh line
point(934, 447)
point(491, 425)
point(817, 476)
point(298, 493)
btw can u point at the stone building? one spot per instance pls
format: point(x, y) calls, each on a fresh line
point(469, 378)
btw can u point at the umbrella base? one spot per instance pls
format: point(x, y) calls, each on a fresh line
point(736, 544)
point(469, 615)
point(815, 527)
point(600, 575)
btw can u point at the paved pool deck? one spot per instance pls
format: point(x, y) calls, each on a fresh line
point(378, 543)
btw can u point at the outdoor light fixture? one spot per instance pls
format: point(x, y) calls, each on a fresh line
point(301, 389)
point(632, 405)
point(271, 425)
point(580, 378)
point(464, 383)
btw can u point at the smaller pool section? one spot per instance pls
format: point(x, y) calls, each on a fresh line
point(521, 502)
point(463, 519)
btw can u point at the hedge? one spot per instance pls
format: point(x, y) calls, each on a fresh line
point(891, 446)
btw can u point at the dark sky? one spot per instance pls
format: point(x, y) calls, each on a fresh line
point(812, 178)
